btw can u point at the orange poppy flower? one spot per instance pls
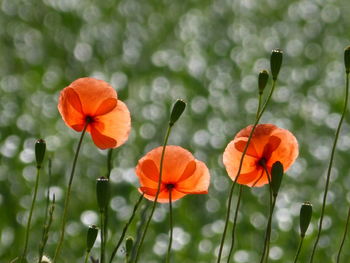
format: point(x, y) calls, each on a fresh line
point(95, 101)
point(268, 145)
point(182, 174)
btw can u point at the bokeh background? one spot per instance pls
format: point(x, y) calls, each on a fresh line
point(152, 52)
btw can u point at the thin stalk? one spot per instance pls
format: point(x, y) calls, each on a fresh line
point(235, 223)
point(106, 211)
point(102, 249)
point(171, 228)
point(268, 228)
point(31, 214)
point(330, 167)
point(126, 228)
point(240, 168)
point(86, 257)
point(299, 249)
point(46, 229)
point(66, 202)
point(157, 194)
point(344, 236)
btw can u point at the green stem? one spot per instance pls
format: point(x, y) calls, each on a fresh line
point(299, 249)
point(87, 256)
point(171, 227)
point(240, 168)
point(157, 194)
point(30, 215)
point(46, 229)
point(66, 202)
point(330, 167)
point(235, 223)
point(106, 213)
point(344, 236)
point(126, 228)
point(102, 251)
point(268, 228)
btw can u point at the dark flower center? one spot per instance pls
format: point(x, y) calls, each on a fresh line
point(170, 186)
point(262, 162)
point(89, 119)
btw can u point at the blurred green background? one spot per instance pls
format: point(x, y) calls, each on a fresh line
point(153, 52)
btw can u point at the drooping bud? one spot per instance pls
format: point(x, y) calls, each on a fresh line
point(262, 80)
point(347, 59)
point(277, 176)
point(276, 62)
point(176, 112)
point(102, 192)
point(40, 148)
point(305, 217)
point(129, 242)
point(91, 237)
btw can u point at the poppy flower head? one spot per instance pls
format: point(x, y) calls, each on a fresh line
point(268, 145)
point(182, 174)
point(93, 102)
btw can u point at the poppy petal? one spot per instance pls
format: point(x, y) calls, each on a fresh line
point(286, 152)
point(106, 106)
point(150, 170)
point(189, 170)
point(271, 146)
point(92, 93)
point(116, 124)
point(197, 182)
point(69, 106)
point(241, 144)
point(102, 141)
point(232, 158)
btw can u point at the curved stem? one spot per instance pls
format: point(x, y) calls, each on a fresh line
point(31, 214)
point(157, 194)
point(235, 223)
point(330, 167)
point(299, 249)
point(240, 168)
point(171, 228)
point(66, 202)
point(344, 236)
point(126, 228)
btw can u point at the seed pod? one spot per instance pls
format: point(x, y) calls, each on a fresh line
point(40, 148)
point(91, 237)
point(176, 112)
point(102, 192)
point(277, 176)
point(305, 217)
point(262, 80)
point(347, 59)
point(276, 62)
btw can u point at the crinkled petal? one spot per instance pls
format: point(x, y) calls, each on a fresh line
point(115, 125)
point(197, 183)
point(101, 141)
point(69, 106)
point(93, 93)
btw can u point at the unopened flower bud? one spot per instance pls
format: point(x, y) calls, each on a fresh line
point(91, 237)
point(102, 192)
point(305, 217)
point(129, 242)
point(347, 59)
point(277, 176)
point(262, 81)
point(40, 147)
point(276, 62)
point(176, 112)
